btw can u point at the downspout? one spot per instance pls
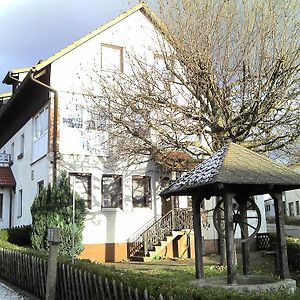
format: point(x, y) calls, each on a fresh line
point(13, 78)
point(10, 208)
point(55, 119)
point(18, 81)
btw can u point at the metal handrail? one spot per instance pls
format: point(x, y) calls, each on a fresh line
point(176, 219)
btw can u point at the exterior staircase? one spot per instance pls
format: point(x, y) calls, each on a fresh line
point(148, 243)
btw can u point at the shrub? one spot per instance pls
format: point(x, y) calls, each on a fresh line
point(19, 235)
point(53, 208)
point(3, 235)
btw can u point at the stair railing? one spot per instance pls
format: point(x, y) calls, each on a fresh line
point(135, 242)
point(176, 219)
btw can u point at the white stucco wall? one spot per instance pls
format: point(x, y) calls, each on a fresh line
point(4, 221)
point(291, 199)
point(26, 172)
point(103, 225)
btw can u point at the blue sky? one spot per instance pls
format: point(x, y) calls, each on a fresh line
point(31, 30)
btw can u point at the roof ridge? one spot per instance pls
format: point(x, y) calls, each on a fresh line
point(41, 64)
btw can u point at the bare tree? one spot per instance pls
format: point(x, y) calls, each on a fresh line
point(225, 71)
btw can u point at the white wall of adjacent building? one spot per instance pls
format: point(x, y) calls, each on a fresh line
point(28, 171)
point(292, 199)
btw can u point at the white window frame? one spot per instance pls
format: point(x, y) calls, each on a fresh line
point(40, 134)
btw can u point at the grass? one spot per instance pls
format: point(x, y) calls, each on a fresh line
point(172, 278)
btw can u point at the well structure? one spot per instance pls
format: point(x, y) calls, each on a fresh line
point(236, 174)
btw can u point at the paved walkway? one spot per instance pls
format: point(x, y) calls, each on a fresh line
point(7, 293)
point(291, 230)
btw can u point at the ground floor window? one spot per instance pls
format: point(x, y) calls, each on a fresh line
point(291, 209)
point(297, 208)
point(112, 195)
point(141, 191)
point(82, 184)
point(1, 206)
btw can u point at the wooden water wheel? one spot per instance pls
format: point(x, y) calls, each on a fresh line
point(246, 215)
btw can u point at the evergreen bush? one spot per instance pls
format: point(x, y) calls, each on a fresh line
point(53, 208)
point(19, 235)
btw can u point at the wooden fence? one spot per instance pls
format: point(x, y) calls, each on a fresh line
point(29, 273)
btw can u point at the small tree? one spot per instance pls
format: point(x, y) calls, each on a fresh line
point(53, 208)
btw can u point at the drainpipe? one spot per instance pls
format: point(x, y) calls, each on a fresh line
point(13, 78)
point(10, 208)
point(55, 119)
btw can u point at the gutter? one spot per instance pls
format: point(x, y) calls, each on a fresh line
point(55, 119)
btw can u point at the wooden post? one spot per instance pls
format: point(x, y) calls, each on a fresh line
point(230, 253)
point(53, 239)
point(222, 241)
point(245, 233)
point(280, 229)
point(196, 201)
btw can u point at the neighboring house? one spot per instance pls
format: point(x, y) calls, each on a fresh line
point(292, 199)
point(47, 130)
point(269, 208)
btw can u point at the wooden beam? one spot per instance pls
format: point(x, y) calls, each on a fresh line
point(196, 201)
point(230, 249)
point(280, 229)
point(244, 235)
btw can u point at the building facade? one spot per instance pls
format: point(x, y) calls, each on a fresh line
point(49, 129)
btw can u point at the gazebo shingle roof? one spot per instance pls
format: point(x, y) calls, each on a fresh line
point(235, 165)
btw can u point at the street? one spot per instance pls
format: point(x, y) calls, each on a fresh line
point(7, 293)
point(290, 230)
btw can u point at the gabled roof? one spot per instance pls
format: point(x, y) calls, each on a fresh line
point(13, 72)
point(142, 7)
point(235, 165)
point(7, 178)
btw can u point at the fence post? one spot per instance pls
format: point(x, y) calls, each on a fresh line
point(53, 240)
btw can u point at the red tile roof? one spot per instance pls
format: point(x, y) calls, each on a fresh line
point(6, 177)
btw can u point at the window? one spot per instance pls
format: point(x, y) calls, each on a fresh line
point(12, 152)
point(112, 191)
point(1, 206)
point(268, 207)
point(22, 144)
point(291, 209)
point(20, 204)
point(141, 191)
point(40, 134)
point(82, 184)
point(297, 208)
point(112, 58)
point(40, 186)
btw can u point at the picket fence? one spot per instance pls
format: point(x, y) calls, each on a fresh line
point(29, 273)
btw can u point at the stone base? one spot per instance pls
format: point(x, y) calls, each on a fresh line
point(250, 283)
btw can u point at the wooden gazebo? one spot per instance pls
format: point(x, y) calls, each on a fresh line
point(235, 173)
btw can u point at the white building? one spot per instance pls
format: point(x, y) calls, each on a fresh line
point(47, 130)
point(292, 199)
